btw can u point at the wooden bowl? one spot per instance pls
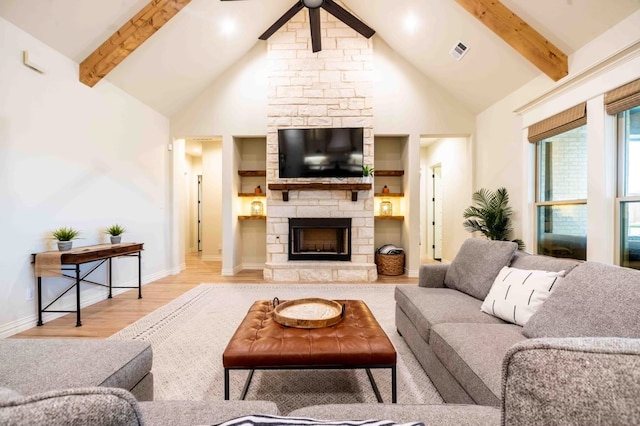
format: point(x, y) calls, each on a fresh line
point(308, 313)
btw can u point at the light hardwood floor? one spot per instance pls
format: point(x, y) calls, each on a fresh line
point(109, 316)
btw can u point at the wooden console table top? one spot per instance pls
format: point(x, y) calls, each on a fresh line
point(86, 254)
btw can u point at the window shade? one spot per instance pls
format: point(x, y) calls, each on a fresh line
point(623, 98)
point(562, 122)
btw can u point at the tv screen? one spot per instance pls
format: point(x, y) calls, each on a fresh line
point(335, 152)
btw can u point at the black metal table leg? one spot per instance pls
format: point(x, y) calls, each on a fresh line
point(39, 300)
point(109, 277)
point(246, 385)
point(139, 275)
point(373, 385)
point(78, 322)
point(226, 384)
point(394, 391)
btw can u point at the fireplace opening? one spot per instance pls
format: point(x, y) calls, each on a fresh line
point(320, 239)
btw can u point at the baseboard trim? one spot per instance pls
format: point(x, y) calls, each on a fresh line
point(22, 324)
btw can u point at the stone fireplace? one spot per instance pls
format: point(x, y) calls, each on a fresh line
point(331, 88)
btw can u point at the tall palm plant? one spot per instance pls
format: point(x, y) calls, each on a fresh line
point(491, 215)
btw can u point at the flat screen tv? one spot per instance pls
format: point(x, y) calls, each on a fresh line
point(325, 152)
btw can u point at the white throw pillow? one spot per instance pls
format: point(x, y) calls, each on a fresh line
point(517, 294)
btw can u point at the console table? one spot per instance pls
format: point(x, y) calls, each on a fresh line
point(71, 261)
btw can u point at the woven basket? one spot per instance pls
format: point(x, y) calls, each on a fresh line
point(390, 264)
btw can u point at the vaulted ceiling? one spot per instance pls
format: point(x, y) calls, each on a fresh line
point(207, 36)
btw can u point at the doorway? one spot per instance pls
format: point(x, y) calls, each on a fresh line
point(437, 212)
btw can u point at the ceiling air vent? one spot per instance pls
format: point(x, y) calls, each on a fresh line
point(459, 50)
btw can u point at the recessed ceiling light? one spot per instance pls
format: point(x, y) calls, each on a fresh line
point(228, 26)
point(411, 22)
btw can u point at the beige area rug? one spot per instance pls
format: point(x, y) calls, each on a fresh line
point(189, 334)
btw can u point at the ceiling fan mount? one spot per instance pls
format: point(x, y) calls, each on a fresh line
point(314, 7)
point(312, 4)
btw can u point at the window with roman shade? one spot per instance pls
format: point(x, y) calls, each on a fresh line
point(561, 183)
point(624, 103)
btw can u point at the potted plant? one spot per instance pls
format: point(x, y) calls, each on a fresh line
point(115, 233)
point(65, 235)
point(367, 174)
point(491, 215)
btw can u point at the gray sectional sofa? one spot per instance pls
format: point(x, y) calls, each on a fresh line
point(96, 382)
point(463, 349)
point(575, 361)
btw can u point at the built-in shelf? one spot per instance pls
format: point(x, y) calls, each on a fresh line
point(387, 173)
point(389, 194)
point(251, 194)
point(389, 217)
point(353, 187)
point(252, 173)
point(252, 218)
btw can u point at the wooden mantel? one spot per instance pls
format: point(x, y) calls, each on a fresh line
point(314, 186)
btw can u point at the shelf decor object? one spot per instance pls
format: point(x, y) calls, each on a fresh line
point(386, 208)
point(257, 208)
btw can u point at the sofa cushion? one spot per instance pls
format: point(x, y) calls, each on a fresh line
point(473, 354)
point(83, 406)
point(426, 307)
point(37, 365)
point(517, 294)
point(477, 264)
point(522, 260)
point(593, 300)
point(437, 414)
point(187, 413)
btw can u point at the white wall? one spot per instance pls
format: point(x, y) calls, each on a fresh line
point(504, 158)
point(406, 103)
point(454, 157)
point(75, 156)
point(211, 200)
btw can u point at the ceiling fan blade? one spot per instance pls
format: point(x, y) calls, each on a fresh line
point(346, 17)
point(283, 20)
point(314, 22)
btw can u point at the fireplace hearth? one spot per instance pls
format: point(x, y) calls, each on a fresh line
point(320, 239)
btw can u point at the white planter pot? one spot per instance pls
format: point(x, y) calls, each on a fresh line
point(65, 245)
point(115, 239)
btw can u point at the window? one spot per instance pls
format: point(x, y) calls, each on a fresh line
point(629, 186)
point(561, 195)
point(561, 183)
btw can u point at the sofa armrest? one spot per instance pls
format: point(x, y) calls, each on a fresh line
point(572, 381)
point(99, 406)
point(432, 275)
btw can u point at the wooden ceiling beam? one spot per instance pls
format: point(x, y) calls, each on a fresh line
point(520, 36)
point(127, 39)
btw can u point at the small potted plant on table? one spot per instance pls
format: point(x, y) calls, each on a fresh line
point(65, 236)
point(115, 233)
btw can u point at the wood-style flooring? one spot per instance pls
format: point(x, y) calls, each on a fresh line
point(109, 316)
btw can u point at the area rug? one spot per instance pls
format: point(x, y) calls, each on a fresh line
point(189, 335)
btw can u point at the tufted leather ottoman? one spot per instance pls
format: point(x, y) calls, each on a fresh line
point(260, 343)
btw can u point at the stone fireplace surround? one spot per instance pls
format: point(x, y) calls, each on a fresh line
point(331, 88)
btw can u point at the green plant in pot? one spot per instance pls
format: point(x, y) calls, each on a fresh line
point(115, 233)
point(491, 216)
point(65, 236)
point(367, 174)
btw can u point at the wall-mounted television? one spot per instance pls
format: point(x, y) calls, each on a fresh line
point(322, 152)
